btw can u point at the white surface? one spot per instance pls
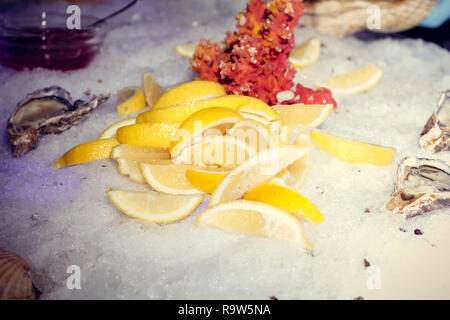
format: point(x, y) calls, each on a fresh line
point(124, 258)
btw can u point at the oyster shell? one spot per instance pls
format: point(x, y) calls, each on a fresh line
point(422, 185)
point(46, 111)
point(15, 282)
point(436, 133)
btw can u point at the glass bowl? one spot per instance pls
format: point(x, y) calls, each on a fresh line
point(32, 43)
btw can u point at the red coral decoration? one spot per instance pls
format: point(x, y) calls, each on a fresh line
point(254, 60)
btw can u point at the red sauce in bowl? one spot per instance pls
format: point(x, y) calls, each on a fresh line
point(52, 46)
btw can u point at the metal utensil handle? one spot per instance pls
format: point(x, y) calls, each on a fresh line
point(132, 3)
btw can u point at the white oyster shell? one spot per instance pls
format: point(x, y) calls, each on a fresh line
point(422, 185)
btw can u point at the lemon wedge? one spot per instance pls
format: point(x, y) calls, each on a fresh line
point(130, 100)
point(255, 171)
point(168, 177)
point(140, 154)
point(129, 157)
point(110, 132)
point(245, 104)
point(146, 116)
point(152, 89)
point(294, 175)
point(306, 54)
point(255, 117)
point(154, 134)
point(210, 121)
point(311, 115)
point(130, 169)
point(357, 81)
point(257, 107)
point(284, 133)
point(181, 111)
point(86, 152)
point(254, 218)
point(154, 206)
point(286, 199)
point(223, 151)
point(189, 92)
point(186, 50)
point(353, 151)
point(206, 180)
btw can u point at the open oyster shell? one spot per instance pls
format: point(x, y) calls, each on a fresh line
point(435, 136)
point(46, 111)
point(15, 282)
point(422, 185)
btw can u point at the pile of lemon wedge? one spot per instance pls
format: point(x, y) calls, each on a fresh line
point(195, 140)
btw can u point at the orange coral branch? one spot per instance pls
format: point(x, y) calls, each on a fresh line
point(254, 60)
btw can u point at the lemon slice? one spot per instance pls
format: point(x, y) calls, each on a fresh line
point(130, 169)
point(357, 81)
point(205, 180)
point(305, 54)
point(130, 100)
point(353, 151)
point(154, 206)
point(255, 171)
point(110, 132)
point(254, 218)
point(286, 199)
point(257, 135)
point(311, 115)
point(86, 152)
point(140, 154)
point(189, 92)
point(154, 134)
point(224, 151)
point(168, 177)
point(211, 121)
point(152, 89)
point(186, 50)
point(182, 111)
